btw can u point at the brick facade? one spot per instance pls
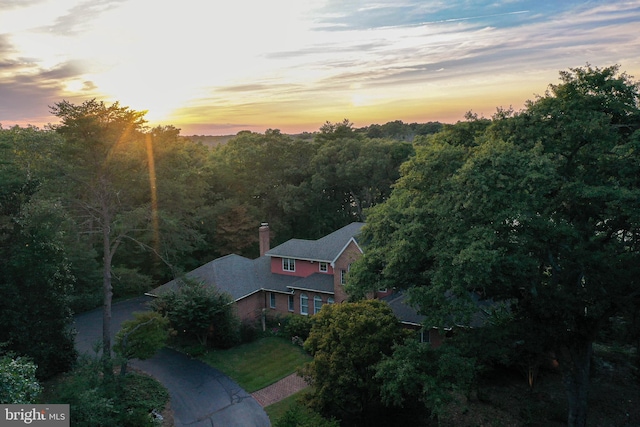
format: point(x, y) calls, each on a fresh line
point(250, 308)
point(342, 265)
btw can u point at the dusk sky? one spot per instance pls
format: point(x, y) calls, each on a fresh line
point(218, 67)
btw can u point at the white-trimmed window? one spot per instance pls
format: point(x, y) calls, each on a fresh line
point(272, 299)
point(317, 304)
point(304, 304)
point(330, 300)
point(288, 264)
point(291, 303)
point(323, 267)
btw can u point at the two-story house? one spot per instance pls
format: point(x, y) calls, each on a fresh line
point(298, 276)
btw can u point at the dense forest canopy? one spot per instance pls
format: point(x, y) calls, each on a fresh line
point(536, 211)
point(117, 208)
point(206, 201)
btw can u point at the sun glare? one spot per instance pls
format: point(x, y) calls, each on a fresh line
point(253, 63)
point(74, 86)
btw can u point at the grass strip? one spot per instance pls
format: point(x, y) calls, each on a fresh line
point(278, 409)
point(260, 363)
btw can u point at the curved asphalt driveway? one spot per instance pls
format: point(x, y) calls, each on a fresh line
point(200, 395)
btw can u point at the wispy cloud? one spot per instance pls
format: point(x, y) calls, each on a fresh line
point(288, 64)
point(81, 17)
point(11, 4)
point(342, 16)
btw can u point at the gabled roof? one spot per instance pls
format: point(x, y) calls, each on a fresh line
point(240, 277)
point(326, 249)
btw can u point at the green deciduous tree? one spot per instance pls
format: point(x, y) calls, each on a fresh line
point(539, 209)
point(201, 312)
point(35, 278)
point(346, 342)
point(181, 215)
point(302, 188)
point(141, 337)
point(353, 174)
point(261, 176)
point(34, 288)
point(418, 373)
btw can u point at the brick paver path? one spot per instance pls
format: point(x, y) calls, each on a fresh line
point(279, 390)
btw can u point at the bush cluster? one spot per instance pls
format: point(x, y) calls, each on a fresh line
point(200, 313)
point(109, 402)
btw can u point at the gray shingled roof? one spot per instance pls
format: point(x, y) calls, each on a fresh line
point(326, 249)
point(407, 314)
point(240, 277)
point(269, 281)
point(316, 282)
point(402, 309)
point(232, 274)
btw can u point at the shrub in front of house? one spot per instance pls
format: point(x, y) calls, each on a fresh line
point(200, 313)
point(297, 326)
point(249, 331)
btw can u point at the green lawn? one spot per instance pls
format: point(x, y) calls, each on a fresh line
point(260, 363)
point(278, 409)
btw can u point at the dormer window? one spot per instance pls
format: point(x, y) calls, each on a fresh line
point(288, 264)
point(323, 267)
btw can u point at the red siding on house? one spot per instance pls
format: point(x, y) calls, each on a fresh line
point(303, 268)
point(252, 307)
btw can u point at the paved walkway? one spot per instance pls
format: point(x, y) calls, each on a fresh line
point(279, 390)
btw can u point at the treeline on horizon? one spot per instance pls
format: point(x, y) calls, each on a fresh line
point(396, 129)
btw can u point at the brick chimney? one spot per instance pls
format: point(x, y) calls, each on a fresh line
point(263, 233)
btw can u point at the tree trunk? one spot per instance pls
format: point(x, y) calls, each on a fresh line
point(576, 362)
point(106, 307)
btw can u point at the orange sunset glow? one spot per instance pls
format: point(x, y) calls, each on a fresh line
point(221, 67)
